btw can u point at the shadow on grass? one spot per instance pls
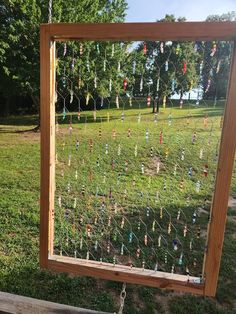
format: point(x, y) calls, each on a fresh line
point(28, 120)
point(33, 120)
point(13, 124)
point(89, 119)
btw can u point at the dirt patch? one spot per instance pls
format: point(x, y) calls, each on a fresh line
point(154, 166)
point(30, 136)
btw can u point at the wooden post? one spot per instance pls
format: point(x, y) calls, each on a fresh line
point(47, 128)
point(222, 187)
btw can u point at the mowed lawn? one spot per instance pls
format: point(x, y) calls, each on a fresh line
point(19, 229)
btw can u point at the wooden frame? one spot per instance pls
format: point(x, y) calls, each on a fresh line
point(186, 31)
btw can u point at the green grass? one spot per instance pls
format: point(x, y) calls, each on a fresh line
point(19, 222)
point(176, 137)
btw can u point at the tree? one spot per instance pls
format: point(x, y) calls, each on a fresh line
point(19, 36)
point(216, 58)
point(168, 67)
point(92, 68)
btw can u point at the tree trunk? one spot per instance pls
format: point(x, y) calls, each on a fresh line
point(181, 99)
point(36, 101)
point(155, 107)
point(159, 102)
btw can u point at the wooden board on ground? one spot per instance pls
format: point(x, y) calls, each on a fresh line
point(11, 303)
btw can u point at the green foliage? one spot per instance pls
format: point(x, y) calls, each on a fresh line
point(19, 54)
point(230, 16)
point(87, 62)
point(217, 68)
point(195, 305)
point(169, 67)
point(19, 36)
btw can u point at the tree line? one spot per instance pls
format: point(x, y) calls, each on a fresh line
point(93, 70)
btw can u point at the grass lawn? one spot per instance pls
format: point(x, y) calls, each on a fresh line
point(19, 203)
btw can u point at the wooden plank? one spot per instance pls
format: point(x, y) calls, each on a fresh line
point(11, 303)
point(125, 274)
point(44, 142)
point(222, 187)
point(47, 142)
point(184, 31)
point(52, 145)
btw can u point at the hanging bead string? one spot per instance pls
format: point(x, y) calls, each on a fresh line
point(169, 224)
point(50, 11)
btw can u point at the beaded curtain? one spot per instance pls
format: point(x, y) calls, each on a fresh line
point(135, 168)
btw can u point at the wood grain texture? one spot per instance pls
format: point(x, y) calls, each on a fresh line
point(184, 31)
point(44, 143)
point(125, 274)
point(52, 145)
point(11, 303)
point(47, 128)
point(222, 187)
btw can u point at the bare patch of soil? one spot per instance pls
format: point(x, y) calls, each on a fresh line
point(153, 165)
point(30, 136)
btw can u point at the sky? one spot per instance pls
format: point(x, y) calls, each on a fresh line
point(193, 10)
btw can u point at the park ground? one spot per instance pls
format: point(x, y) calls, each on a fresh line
point(19, 243)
